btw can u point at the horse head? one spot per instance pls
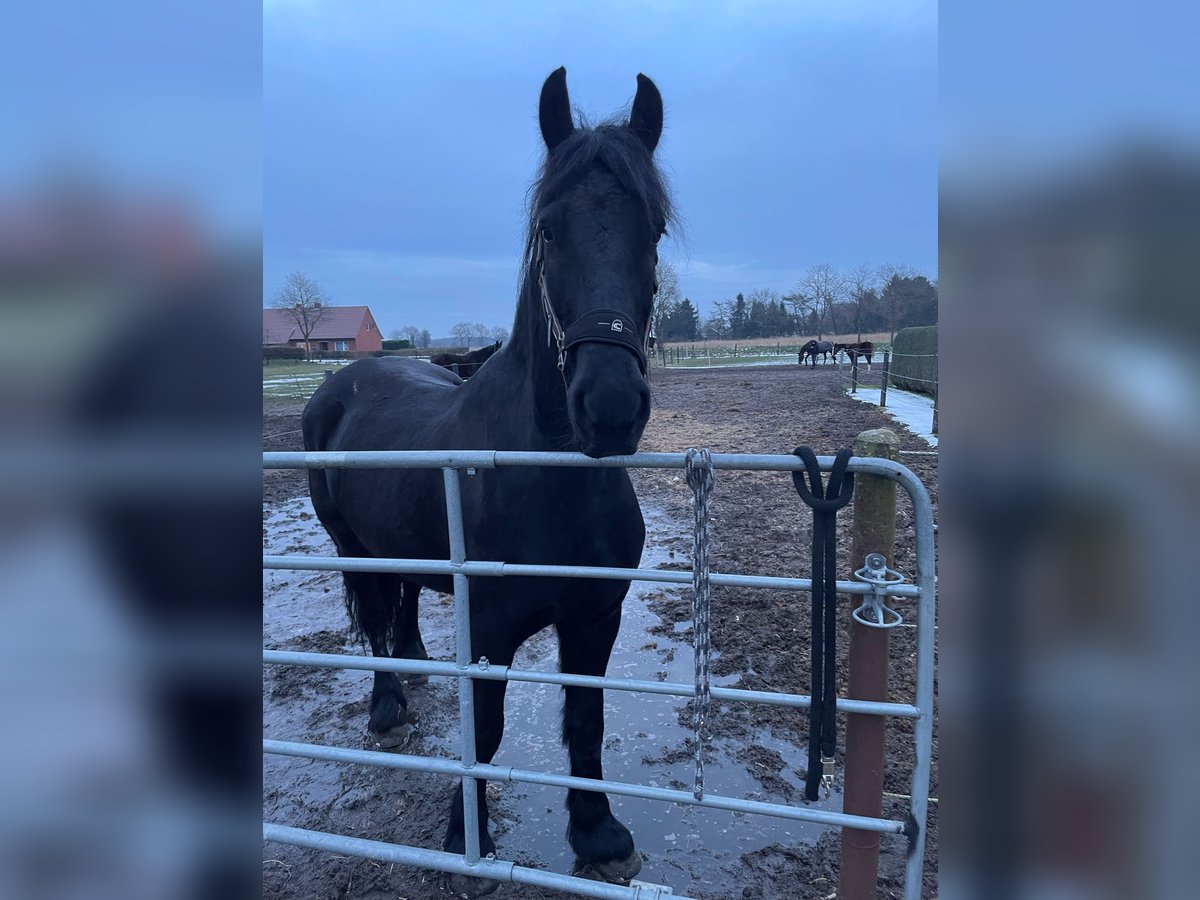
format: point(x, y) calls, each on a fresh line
point(598, 212)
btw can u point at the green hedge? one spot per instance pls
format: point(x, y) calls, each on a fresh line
point(914, 359)
point(291, 353)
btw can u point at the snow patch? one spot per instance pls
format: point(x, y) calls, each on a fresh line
point(913, 411)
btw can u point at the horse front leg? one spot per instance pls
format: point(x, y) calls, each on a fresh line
point(597, 838)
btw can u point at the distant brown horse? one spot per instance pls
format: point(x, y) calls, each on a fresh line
point(862, 348)
point(468, 363)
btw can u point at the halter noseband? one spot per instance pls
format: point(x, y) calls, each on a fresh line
point(597, 326)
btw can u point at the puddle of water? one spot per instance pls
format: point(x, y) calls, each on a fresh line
point(531, 820)
point(640, 727)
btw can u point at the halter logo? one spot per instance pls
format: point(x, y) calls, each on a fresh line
point(617, 325)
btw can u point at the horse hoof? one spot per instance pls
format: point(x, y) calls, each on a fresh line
point(415, 679)
point(619, 871)
point(469, 886)
point(390, 739)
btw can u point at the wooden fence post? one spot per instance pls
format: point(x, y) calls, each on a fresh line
point(328, 374)
point(935, 407)
point(874, 531)
point(853, 373)
point(887, 368)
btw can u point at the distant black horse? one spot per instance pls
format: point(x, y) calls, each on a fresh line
point(468, 363)
point(597, 212)
point(815, 348)
point(861, 348)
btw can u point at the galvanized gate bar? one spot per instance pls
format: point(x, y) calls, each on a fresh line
point(493, 672)
point(926, 621)
point(494, 459)
point(642, 792)
point(462, 660)
point(500, 570)
point(450, 461)
point(497, 870)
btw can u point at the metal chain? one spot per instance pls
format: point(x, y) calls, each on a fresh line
point(700, 479)
point(554, 328)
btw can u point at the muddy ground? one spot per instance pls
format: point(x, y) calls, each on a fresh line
point(759, 639)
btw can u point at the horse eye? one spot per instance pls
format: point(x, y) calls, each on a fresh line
point(658, 236)
point(547, 235)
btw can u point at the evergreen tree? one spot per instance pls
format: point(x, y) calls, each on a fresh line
point(739, 319)
point(689, 320)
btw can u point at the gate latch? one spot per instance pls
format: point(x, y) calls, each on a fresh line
point(874, 611)
point(827, 768)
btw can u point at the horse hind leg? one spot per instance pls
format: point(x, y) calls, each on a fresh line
point(406, 629)
point(371, 609)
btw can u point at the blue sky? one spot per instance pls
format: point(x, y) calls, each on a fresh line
point(400, 139)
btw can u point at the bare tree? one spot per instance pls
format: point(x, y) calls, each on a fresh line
point(762, 295)
point(462, 333)
point(302, 299)
point(667, 298)
point(717, 323)
point(822, 286)
point(481, 332)
point(801, 307)
point(861, 284)
point(426, 338)
point(499, 333)
point(410, 333)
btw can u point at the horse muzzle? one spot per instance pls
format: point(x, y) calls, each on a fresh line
point(608, 400)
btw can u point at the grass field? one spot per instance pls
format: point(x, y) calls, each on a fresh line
point(286, 382)
point(753, 351)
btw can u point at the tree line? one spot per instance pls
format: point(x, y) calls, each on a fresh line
point(466, 333)
point(824, 301)
point(414, 336)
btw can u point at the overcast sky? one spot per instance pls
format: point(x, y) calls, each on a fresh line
point(400, 140)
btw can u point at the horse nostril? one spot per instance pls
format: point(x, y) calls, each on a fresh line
point(644, 402)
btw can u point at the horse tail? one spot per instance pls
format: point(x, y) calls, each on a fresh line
point(321, 418)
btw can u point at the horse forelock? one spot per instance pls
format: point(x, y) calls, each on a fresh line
point(613, 145)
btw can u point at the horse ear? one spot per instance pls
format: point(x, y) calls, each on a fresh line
point(554, 109)
point(646, 118)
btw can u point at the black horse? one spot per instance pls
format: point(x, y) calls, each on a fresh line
point(814, 349)
point(852, 350)
point(468, 363)
point(597, 213)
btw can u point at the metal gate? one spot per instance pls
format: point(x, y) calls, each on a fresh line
point(453, 465)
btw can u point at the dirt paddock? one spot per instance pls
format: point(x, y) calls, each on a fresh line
point(759, 640)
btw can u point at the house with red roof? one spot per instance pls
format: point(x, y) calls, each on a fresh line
point(341, 328)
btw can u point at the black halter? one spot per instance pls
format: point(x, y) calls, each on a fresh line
point(598, 326)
